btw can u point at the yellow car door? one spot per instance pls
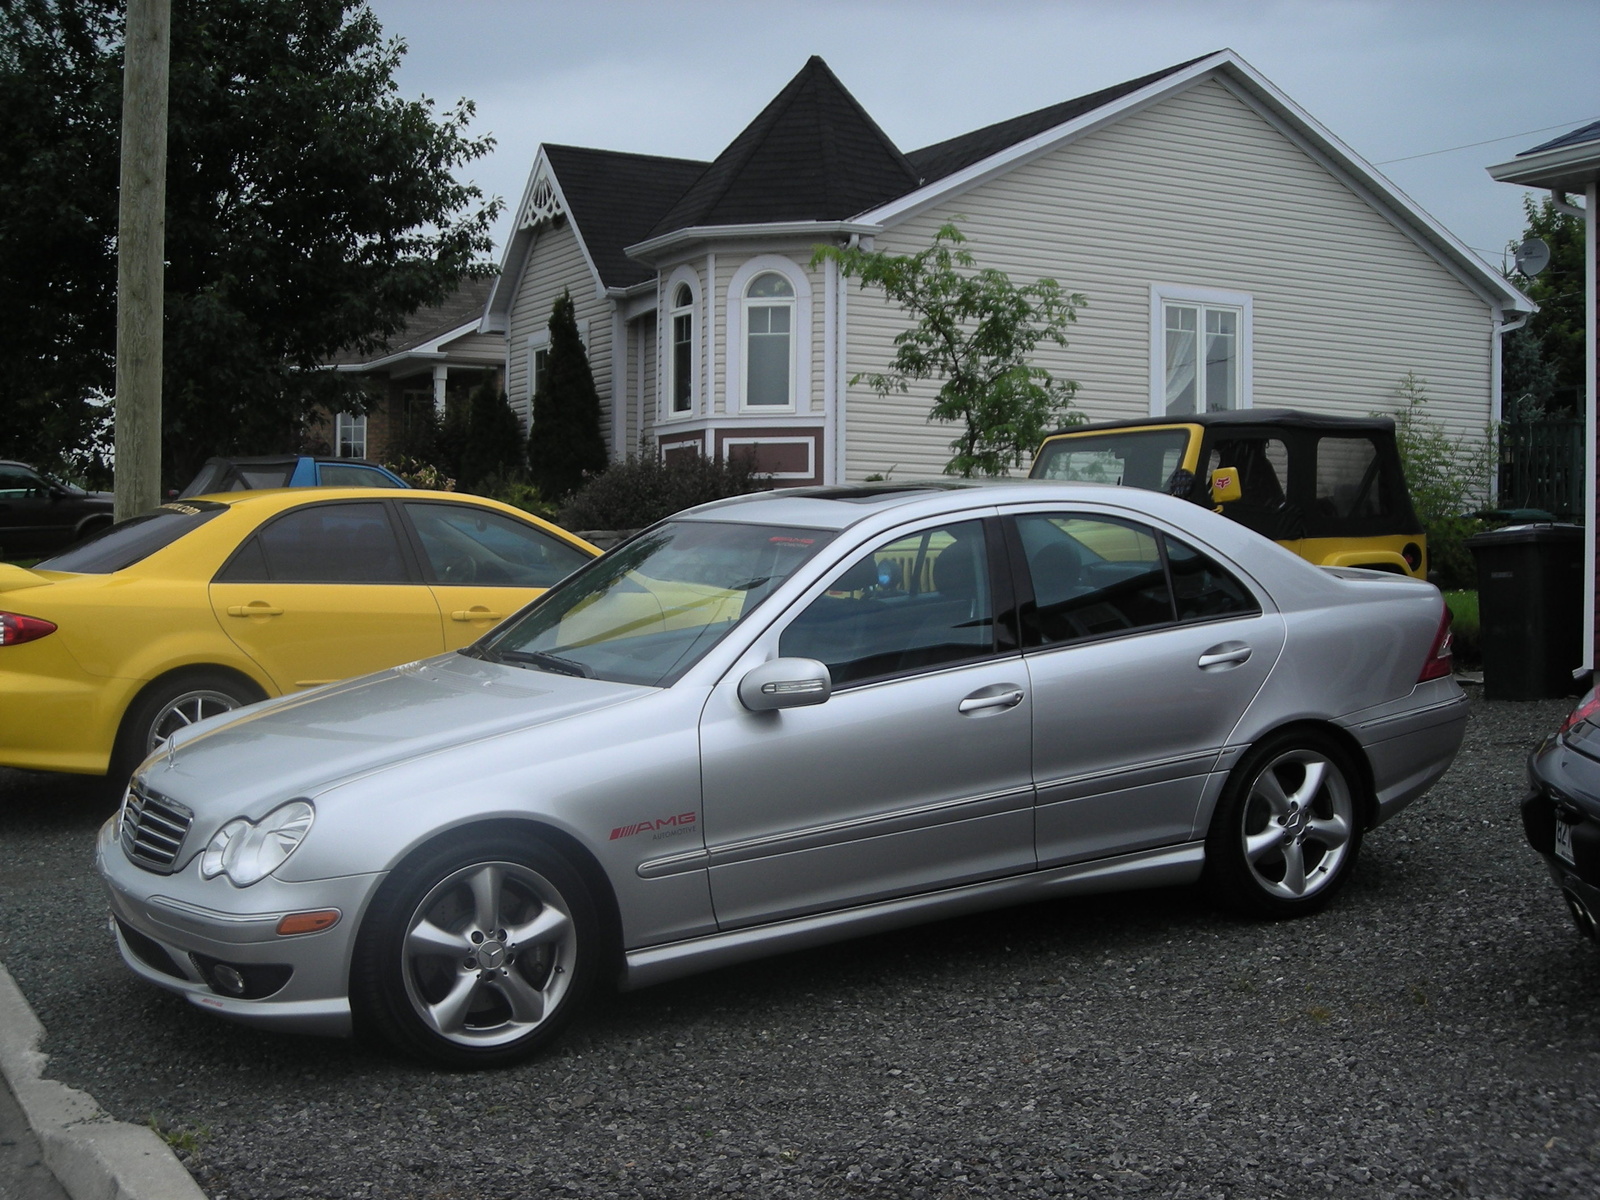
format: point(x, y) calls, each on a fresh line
point(483, 564)
point(323, 592)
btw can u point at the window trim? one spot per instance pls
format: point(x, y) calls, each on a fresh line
point(1161, 294)
point(683, 276)
point(800, 336)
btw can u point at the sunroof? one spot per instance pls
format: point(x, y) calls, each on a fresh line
point(871, 494)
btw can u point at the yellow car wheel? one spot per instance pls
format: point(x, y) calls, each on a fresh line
point(171, 703)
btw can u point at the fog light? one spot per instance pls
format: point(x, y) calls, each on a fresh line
point(228, 979)
point(309, 922)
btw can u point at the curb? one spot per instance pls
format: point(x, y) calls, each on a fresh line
point(91, 1156)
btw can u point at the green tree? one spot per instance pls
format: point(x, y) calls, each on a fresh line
point(1543, 362)
point(976, 331)
point(565, 445)
point(492, 447)
point(309, 208)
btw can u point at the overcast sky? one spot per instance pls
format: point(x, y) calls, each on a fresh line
point(1393, 79)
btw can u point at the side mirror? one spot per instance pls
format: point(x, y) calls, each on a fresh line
point(785, 683)
point(1225, 485)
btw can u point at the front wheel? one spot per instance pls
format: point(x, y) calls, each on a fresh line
point(477, 951)
point(1286, 831)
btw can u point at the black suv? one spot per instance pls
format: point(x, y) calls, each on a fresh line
point(39, 515)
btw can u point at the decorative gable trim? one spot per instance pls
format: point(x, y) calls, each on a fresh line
point(542, 203)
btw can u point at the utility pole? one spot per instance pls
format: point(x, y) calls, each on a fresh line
point(141, 248)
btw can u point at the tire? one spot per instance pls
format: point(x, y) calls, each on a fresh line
point(168, 705)
point(476, 951)
point(1287, 829)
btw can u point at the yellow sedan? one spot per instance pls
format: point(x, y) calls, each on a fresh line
point(205, 604)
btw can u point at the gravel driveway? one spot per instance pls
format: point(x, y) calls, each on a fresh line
point(1435, 1033)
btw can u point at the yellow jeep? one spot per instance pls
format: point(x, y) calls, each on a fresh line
point(1329, 488)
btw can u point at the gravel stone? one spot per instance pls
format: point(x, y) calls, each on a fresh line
point(1433, 1033)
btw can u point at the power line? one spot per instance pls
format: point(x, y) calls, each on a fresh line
point(1489, 142)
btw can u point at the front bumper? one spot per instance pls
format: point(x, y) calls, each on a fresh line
point(1564, 791)
point(173, 930)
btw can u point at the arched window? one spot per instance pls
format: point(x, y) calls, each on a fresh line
point(769, 342)
point(682, 376)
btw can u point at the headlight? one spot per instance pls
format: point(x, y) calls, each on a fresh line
point(248, 853)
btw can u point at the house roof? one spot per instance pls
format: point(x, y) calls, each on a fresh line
point(1569, 163)
point(616, 199)
point(951, 155)
point(461, 308)
point(813, 154)
point(1588, 133)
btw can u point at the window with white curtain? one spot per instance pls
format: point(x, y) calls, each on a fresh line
point(1201, 353)
point(682, 376)
point(769, 310)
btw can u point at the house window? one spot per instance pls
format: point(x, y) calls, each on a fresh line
point(1201, 352)
point(769, 342)
point(350, 434)
point(682, 349)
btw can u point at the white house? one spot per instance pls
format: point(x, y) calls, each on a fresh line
point(1199, 209)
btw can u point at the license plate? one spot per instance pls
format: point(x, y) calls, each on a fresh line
point(1564, 841)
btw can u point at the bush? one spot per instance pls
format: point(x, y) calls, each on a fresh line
point(641, 490)
point(516, 491)
point(493, 445)
point(421, 474)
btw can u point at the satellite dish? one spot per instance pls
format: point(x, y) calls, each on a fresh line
point(1532, 257)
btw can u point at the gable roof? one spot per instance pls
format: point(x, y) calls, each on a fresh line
point(616, 199)
point(951, 155)
point(456, 314)
point(813, 154)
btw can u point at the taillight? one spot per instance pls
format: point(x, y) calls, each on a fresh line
point(16, 629)
point(1439, 663)
point(1587, 707)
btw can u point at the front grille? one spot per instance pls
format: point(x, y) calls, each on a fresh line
point(153, 829)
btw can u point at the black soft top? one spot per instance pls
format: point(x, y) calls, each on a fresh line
point(1283, 418)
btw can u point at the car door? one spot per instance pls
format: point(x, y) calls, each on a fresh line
point(32, 519)
point(913, 775)
point(1143, 653)
point(483, 565)
point(323, 592)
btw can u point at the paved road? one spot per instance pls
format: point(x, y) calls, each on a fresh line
point(1435, 1033)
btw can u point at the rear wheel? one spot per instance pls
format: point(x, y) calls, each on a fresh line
point(477, 951)
point(169, 705)
point(1286, 832)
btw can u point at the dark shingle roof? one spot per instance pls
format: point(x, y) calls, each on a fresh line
point(1588, 133)
point(812, 155)
point(464, 305)
point(616, 199)
point(947, 157)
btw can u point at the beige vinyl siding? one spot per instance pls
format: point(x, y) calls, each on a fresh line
point(555, 262)
point(642, 358)
point(1200, 191)
point(488, 348)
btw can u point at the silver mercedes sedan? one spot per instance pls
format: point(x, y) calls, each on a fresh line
point(776, 721)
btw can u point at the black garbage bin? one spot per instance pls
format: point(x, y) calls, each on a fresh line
point(1530, 609)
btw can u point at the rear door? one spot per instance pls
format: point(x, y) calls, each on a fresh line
point(326, 591)
point(1143, 653)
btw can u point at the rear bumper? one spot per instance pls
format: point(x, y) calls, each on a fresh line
point(1410, 750)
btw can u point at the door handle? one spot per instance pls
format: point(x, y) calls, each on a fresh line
point(1004, 695)
point(479, 613)
point(256, 608)
point(1227, 654)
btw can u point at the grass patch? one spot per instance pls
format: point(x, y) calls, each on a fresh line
point(1468, 637)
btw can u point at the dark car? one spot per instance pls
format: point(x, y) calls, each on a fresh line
point(1561, 815)
point(40, 515)
point(288, 470)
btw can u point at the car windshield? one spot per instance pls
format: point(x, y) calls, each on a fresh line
point(126, 542)
point(1141, 458)
point(651, 608)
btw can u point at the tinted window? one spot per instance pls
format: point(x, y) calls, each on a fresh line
point(468, 545)
point(323, 543)
point(126, 542)
point(1202, 588)
point(1093, 576)
point(341, 475)
point(16, 482)
point(916, 602)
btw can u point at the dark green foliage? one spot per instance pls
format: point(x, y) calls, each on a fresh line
point(565, 445)
point(1543, 365)
point(976, 332)
point(492, 446)
point(642, 490)
point(309, 208)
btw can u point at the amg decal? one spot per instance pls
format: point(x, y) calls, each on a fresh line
point(677, 824)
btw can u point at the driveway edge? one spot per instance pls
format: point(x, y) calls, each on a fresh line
point(92, 1156)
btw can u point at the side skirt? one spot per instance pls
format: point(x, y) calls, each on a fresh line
point(1165, 867)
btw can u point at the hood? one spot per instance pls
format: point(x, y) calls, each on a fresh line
point(250, 761)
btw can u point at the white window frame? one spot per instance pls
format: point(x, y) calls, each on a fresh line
point(800, 335)
point(356, 423)
point(683, 276)
point(1215, 299)
point(537, 343)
